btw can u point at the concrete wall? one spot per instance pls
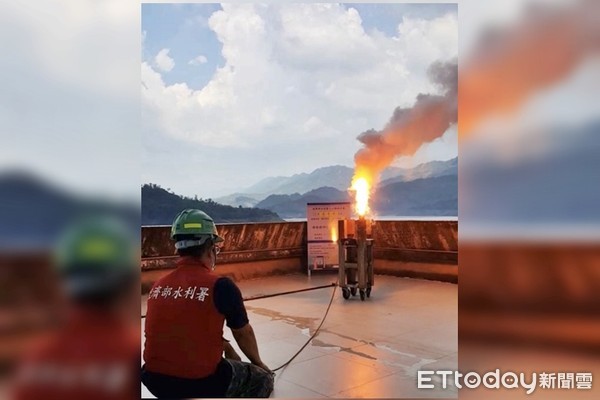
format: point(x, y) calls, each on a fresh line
point(549, 277)
point(250, 250)
point(243, 243)
point(422, 235)
point(238, 237)
point(416, 241)
point(530, 292)
point(423, 249)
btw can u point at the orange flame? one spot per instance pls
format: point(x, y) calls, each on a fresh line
point(362, 189)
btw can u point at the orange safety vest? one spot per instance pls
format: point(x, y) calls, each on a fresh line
point(95, 356)
point(184, 329)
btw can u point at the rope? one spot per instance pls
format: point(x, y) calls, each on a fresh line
point(265, 296)
point(313, 335)
point(316, 330)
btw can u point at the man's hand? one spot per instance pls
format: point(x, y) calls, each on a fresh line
point(263, 366)
point(247, 341)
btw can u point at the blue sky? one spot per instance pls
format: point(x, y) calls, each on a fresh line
point(280, 89)
point(385, 17)
point(183, 29)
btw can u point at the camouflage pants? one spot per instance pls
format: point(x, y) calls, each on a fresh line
point(248, 380)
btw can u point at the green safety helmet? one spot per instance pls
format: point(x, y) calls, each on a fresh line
point(192, 228)
point(96, 255)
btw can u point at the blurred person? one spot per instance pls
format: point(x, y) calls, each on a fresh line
point(184, 324)
point(94, 355)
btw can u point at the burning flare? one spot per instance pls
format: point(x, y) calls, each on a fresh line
point(362, 188)
point(407, 130)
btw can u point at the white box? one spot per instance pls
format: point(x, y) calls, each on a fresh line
point(322, 255)
point(322, 233)
point(322, 218)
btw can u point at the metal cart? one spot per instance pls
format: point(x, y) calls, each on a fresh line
point(355, 247)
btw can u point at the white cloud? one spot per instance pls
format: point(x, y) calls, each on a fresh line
point(201, 59)
point(70, 91)
point(70, 52)
point(425, 40)
point(300, 72)
point(163, 61)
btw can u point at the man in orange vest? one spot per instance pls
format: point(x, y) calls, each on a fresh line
point(95, 354)
point(184, 346)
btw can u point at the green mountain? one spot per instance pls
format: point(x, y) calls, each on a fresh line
point(34, 212)
point(436, 196)
point(159, 207)
point(294, 205)
point(433, 196)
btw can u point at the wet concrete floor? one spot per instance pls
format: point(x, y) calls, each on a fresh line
point(364, 349)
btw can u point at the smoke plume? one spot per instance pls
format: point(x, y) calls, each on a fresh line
point(511, 64)
point(409, 128)
point(507, 68)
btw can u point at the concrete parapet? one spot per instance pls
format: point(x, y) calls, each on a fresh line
point(243, 243)
point(421, 249)
point(156, 240)
point(422, 235)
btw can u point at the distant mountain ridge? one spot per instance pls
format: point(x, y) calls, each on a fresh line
point(336, 176)
point(431, 169)
point(434, 196)
point(294, 205)
point(241, 199)
point(33, 212)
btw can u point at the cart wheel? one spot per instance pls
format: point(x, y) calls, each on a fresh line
point(353, 291)
point(368, 292)
point(362, 294)
point(346, 293)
